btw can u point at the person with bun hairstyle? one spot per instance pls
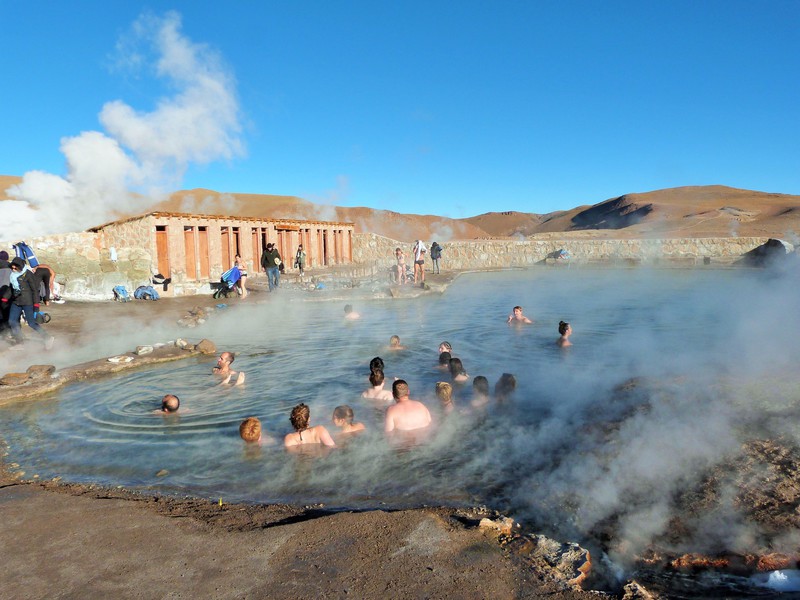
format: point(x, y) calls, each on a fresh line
point(565, 330)
point(303, 434)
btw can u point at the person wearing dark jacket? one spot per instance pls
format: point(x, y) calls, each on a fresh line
point(5, 285)
point(271, 263)
point(23, 295)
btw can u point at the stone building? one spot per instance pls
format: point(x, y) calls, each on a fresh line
point(194, 250)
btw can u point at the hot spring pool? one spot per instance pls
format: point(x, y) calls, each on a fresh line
point(716, 338)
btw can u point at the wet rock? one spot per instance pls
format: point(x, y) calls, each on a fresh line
point(503, 525)
point(140, 350)
point(775, 561)
point(206, 347)
point(14, 379)
point(569, 561)
point(40, 371)
point(634, 590)
point(181, 343)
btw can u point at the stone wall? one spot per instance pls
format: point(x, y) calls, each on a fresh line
point(369, 248)
point(83, 265)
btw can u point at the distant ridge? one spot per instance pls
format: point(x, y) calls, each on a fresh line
point(691, 211)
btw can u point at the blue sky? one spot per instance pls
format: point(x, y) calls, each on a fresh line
point(430, 107)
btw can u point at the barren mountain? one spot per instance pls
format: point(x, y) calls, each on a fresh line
point(699, 211)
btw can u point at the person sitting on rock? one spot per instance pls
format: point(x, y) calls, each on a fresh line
point(223, 370)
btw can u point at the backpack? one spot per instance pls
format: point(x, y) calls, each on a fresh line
point(145, 292)
point(121, 294)
point(25, 252)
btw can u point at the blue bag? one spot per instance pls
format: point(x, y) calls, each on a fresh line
point(121, 294)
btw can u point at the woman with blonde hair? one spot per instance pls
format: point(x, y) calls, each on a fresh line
point(444, 391)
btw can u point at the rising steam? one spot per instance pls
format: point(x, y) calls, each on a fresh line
point(141, 155)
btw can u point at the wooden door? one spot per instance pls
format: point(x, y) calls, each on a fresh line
point(191, 255)
point(202, 251)
point(162, 250)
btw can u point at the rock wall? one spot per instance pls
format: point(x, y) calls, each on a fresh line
point(84, 266)
point(369, 248)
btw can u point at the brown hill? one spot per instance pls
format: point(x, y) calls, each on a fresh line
point(699, 211)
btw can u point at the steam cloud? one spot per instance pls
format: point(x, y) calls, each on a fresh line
point(142, 154)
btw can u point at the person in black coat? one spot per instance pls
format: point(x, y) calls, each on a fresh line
point(23, 296)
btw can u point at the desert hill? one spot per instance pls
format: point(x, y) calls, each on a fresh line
point(696, 211)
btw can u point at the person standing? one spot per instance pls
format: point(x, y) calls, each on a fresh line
point(271, 262)
point(436, 254)
point(241, 285)
point(419, 261)
point(5, 285)
point(23, 295)
point(300, 260)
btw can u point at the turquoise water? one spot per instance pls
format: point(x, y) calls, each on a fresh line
point(539, 457)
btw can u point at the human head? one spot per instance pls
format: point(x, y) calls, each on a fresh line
point(456, 367)
point(376, 364)
point(444, 391)
point(170, 403)
point(398, 251)
point(3, 255)
point(250, 429)
point(445, 347)
point(300, 247)
point(348, 308)
point(238, 256)
point(517, 310)
point(504, 386)
point(300, 417)
point(270, 246)
point(376, 377)
point(17, 264)
point(394, 340)
point(444, 359)
point(480, 385)
point(563, 327)
point(226, 357)
point(400, 389)
point(343, 413)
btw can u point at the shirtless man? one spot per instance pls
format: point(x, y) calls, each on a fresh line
point(376, 392)
point(405, 414)
point(349, 313)
point(223, 370)
point(517, 316)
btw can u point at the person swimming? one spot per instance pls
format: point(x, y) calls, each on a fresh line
point(504, 387)
point(394, 343)
point(480, 391)
point(517, 317)
point(376, 364)
point(457, 372)
point(444, 392)
point(170, 403)
point(405, 414)
point(565, 330)
point(303, 434)
point(376, 392)
point(343, 419)
point(349, 313)
point(223, 369)
point(444, 360)
point(445, 347)
point(250, 430)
